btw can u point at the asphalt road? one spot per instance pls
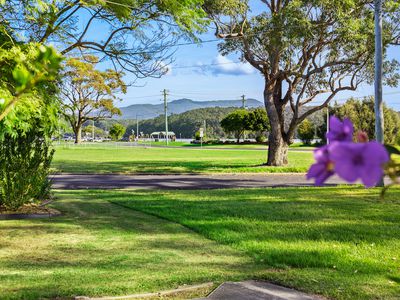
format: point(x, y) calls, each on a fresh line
point(185, 182)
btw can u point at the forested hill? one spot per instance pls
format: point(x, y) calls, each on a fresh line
point(187, 123)
point(149, 111)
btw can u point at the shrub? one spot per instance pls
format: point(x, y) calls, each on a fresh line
point(24, 169)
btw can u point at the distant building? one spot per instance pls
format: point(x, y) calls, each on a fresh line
point(161, 135)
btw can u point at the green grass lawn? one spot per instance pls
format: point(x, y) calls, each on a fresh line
point(97, 249)
point(111, 159)
point(341, 242)
point(299, 146)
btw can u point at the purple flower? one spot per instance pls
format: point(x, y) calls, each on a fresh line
point(323, 168)
point(359, 161)
point(340, 131)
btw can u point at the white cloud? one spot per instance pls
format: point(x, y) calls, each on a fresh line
point(164, 67)
point(223, 65)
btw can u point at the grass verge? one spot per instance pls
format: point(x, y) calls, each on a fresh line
point(98, 249)
point(339, 242)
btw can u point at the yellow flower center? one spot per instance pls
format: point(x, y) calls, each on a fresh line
point(330, 166)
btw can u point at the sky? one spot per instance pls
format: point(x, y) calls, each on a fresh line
point(223, 80)
point(200, 73)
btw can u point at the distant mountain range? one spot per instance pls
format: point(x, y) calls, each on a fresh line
point(149, 111)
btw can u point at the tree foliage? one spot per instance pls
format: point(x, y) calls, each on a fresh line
point(306, 131)
point(134, 35)
point(88, 93)
point(117, 131)
point(306, 50)
point(237, 122)
point(258, 122)
point(361, 113)
point(28, 107)
point(98, 132)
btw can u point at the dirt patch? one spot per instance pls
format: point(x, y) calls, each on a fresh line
point(29, 211)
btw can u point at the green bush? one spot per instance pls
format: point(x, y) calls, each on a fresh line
point(261, 139)
point(117, 131)
point(24, 169)
point(305, 132)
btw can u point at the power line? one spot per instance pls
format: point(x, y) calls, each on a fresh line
point(205, 65)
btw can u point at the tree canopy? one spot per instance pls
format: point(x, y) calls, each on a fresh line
point(134, 35)
point(117, 131)
point(361, 113)
point(236, 122)
point(88, 93)
point(306, 51)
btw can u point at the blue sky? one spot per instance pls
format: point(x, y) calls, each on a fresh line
point(188, 78)
point(224, 80)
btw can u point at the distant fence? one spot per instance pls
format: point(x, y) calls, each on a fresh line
point(70, 144)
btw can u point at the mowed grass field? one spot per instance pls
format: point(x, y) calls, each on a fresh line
point(123, 159)
point(340, 242)
point(98, 249)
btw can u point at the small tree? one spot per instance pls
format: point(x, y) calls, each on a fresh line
point(88, 130)
point(237, 122)
point(259, 123)
point(306, 132)
point(117, 131)
point(89, 94)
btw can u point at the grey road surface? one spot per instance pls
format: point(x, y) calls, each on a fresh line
point(191, 181)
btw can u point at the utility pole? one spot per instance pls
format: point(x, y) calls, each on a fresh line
point(378, 72)
point(137, 128)
point(205, 128)
point(243, 101)
point(92, 130)
point(166, 114)
point(327, 122)
point(378, 76)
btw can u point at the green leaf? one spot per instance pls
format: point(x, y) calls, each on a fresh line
point(22, 77)
point(392, 150)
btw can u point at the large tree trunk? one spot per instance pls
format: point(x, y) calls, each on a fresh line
point(277, 144)
point(78, 134)
point(277, 150)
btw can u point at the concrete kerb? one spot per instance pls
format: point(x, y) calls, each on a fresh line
point(166, 293)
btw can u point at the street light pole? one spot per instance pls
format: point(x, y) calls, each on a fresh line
point(378, 76)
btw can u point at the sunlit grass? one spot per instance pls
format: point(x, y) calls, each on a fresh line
point(122, 159)
point(98, 249)
point(339, 242)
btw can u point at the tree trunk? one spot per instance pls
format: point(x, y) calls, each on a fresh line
point(277, 144)
point(277, 150)
point(78, 134)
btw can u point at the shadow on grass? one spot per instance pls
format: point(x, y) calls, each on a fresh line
point(98, 248)
point(171, 167)
point(295, 228)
